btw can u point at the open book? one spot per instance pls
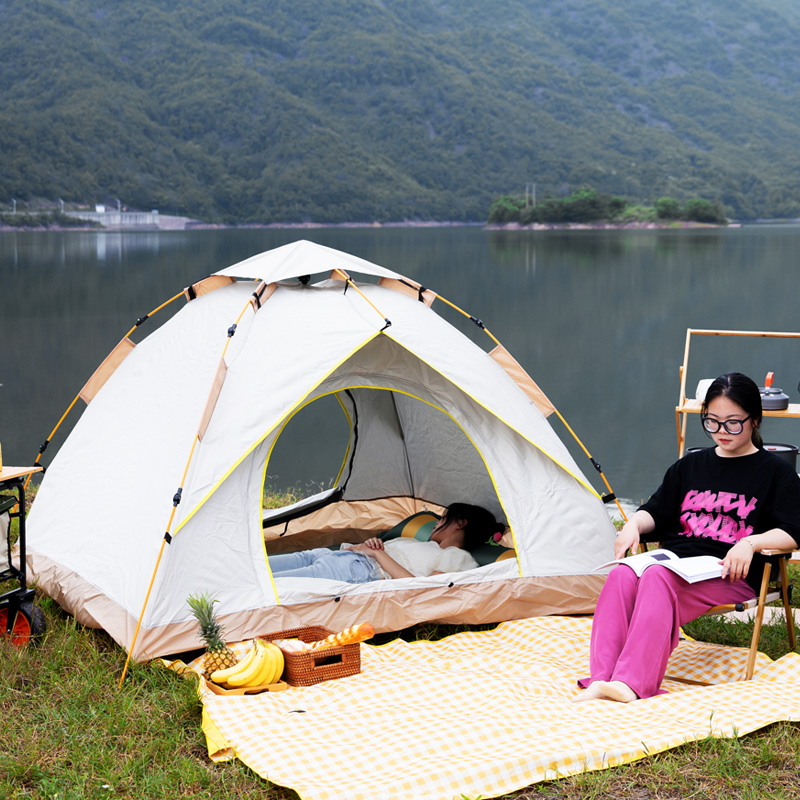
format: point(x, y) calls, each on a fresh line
point(691, 569)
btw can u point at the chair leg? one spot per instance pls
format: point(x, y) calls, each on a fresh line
point(751, 658)
point(787, 607)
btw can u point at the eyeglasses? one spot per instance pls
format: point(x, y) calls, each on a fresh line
point(731, 426)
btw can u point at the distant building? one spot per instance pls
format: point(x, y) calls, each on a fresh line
point(120, 220)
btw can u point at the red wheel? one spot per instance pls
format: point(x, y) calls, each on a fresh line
point(28, 626)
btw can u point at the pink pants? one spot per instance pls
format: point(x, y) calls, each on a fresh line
point(637, 621)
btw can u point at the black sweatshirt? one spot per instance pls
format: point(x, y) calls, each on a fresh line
point(706, 504)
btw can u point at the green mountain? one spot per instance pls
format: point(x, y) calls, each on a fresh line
point(359, 110)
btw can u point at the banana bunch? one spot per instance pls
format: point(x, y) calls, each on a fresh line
point(262, 666)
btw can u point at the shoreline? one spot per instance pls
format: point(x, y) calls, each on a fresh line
point(175, 223)
point(609, 226)
point(189, 224)
point(195, 225)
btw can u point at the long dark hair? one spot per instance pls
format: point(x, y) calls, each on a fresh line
point(742, 391)
point(480, 523)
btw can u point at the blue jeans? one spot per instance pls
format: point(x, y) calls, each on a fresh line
point(335, 565)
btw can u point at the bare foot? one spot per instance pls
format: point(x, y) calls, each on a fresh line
point(592, 693)
point(616, 690)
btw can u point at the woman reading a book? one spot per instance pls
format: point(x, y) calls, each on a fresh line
point(729, 501)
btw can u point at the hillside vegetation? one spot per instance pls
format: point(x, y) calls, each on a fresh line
point(586, 205)
point(244, 111)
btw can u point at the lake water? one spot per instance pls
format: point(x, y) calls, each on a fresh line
point(598, 318)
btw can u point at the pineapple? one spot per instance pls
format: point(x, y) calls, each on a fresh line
point(219, 655)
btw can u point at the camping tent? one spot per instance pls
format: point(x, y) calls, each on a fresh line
point(178, 432)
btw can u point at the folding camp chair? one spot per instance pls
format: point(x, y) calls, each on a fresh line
point(774, 586)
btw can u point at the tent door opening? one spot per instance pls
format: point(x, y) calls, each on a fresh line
point(403, 454)
point(310, 453)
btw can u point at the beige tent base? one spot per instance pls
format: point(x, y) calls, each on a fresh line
point(74, 594)
point(469, 604)
point(474, 603)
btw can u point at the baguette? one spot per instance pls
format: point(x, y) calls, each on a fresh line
point(352, 635)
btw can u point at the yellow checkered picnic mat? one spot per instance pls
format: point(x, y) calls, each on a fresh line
point(484, 714)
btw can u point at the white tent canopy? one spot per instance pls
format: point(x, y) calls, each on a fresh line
point(302, 258)
point(434, 418)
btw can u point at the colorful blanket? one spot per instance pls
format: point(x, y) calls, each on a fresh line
point(484, 714)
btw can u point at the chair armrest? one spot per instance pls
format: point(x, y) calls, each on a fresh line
point(647, 539)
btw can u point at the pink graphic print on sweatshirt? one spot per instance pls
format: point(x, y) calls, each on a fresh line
point(716, 515)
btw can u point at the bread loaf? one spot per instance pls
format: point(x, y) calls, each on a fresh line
point(352, 635)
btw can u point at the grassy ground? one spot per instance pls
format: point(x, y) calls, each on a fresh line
point(68, 733)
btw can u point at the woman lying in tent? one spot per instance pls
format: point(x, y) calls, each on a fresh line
point(461, 528)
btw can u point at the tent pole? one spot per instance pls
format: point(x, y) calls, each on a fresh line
point(597, 466)
point(346, 278)
point(477, 321)
point(141, 616)
point(594, 463)
point(175, 501)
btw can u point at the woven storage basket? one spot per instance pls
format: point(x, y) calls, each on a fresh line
point(306, 669)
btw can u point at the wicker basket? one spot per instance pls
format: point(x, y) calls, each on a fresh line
point(306, 669)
